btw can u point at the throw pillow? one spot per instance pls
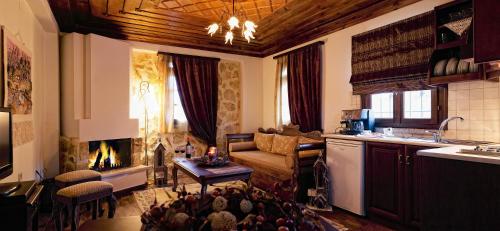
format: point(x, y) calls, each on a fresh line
point(264, 142)
point(291, 130)
point(284, 145)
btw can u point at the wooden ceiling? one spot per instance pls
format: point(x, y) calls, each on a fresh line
point(254, 10)
point(281, 23)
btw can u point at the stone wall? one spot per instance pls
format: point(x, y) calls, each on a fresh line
point(229, 109)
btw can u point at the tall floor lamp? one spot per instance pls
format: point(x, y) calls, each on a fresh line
point(143, 90)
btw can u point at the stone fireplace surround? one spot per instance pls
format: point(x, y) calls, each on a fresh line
point(74, 155)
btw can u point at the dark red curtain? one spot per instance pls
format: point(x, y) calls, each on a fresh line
point(304, 87)
point(196, 79)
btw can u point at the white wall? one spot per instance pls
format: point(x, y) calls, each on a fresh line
point(337, 91)
point(32, 24)
point(95, 86)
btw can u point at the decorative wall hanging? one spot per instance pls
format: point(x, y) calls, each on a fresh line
point(393, 57)
point(17, 74)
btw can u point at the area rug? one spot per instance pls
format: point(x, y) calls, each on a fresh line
point(145, 198)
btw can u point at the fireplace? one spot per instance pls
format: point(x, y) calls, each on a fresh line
point(109, 154)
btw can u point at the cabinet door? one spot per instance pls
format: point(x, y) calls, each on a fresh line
point(486, 30)
point(384, 179)
point(412, 186)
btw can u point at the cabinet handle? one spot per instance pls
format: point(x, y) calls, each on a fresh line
point(408, 160)
point(400, 158)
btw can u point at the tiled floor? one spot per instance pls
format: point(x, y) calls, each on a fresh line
point(128, 207)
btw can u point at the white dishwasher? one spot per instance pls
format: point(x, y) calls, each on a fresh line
point(345, 160)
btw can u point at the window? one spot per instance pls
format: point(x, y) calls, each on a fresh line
point(285, 109)
point(282, 110)
point(417, 104)
point(410, 109)
point(175, 116)
point(382, 105)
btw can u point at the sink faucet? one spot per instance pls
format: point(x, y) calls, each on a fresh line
point(438, 136)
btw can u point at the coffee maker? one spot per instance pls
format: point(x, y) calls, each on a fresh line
point(355, 121)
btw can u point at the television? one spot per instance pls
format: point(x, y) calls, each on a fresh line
point(6, 158)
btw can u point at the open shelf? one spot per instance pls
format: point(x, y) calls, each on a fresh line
point(440, 80)
point(452, 44)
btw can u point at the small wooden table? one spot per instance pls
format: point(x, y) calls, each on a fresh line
point(210, 175)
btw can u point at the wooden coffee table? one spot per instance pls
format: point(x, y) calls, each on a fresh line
point(209, 175)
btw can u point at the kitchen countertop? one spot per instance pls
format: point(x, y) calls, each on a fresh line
point(396, 140)
point(452, 154)
point(436, 150)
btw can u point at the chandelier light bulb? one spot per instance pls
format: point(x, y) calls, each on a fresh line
point(248, 35)
point(229, 37)
point(233, 22)
point(250, 26)
point(212, 28)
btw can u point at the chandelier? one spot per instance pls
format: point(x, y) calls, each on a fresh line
point(247, 28)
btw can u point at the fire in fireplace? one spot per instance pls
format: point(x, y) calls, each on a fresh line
point(109, 154)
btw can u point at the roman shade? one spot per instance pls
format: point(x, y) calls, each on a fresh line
point(393, 57)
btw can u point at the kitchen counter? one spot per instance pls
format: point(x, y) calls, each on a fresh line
point(452, 154)
point(437, 150)
point(396, 140)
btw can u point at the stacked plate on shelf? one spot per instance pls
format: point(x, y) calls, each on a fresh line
point(454, 66)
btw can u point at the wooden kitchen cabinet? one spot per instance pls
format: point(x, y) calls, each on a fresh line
point(393, 185)
point(486, 25)
point(412, 186)
point(459, 195)
point(384, 179)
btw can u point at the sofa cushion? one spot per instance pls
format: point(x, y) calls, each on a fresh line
point(284, 145)
point(265, 160)
point(264, 142)
point(306, 140)
point(242, 146)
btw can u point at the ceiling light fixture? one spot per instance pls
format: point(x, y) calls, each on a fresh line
point(247, 30)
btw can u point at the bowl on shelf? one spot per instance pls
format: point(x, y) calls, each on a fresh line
point(463, 67)
point(473, 67)
point(439, 68)
point(451, 66)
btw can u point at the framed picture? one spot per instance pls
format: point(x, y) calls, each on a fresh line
point(2, 79)
point(17, 64)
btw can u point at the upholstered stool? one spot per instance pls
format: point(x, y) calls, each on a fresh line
point(76, 177)
point(72, 178)
point(73, 196)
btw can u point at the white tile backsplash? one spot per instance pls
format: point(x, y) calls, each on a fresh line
point(478, 102)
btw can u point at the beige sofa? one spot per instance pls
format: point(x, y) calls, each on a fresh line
point(287, 161)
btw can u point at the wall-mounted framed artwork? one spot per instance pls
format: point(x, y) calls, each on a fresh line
point(2, 79)
point(16, 69)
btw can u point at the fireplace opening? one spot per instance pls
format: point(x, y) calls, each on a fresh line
point(109, 154)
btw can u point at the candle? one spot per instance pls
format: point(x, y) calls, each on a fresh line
point(212, 152)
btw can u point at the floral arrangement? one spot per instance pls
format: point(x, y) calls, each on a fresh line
point(228, 209)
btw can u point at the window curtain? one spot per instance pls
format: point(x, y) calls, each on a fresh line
point(394, 57)
point(304, 87)
point(281, 93)
point(169, 124)
point(197, 82)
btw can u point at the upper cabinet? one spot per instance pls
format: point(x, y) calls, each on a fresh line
point(486, 31)
point(467, 42)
